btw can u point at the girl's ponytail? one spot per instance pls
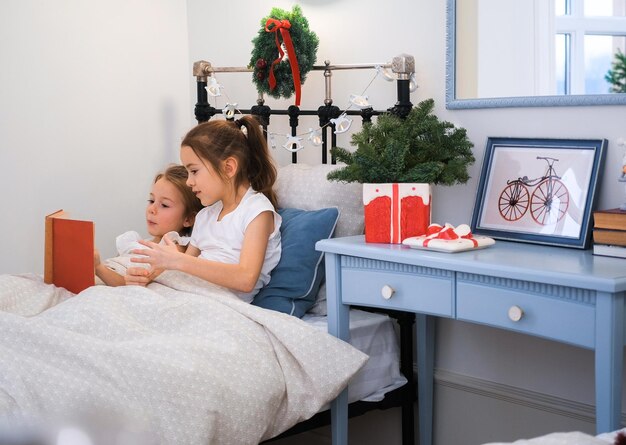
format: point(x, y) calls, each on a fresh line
point(261, 170)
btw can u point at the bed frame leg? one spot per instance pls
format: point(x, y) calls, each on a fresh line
point(406, 321)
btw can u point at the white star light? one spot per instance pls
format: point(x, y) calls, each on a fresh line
point(229, 110)
point(342, 123)
point(293, 144)
point(315, 136)
point(213, 88)
point(386, 73)
point(359, 101)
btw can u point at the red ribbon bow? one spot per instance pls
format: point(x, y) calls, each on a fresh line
point(273, 25)
point(446, 233)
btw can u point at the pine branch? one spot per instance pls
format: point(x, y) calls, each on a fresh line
point(617, 75)
point(419, 148)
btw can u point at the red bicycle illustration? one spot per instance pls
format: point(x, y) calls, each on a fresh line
point(549, 200)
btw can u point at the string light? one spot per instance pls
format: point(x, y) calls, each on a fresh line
point(342, 123)
point(359, 101)
point(229, 111)
point(315, 136)
point(272, 140)
point(293, 144)
point(213, 88)
point(412, 83)
point(386, 73)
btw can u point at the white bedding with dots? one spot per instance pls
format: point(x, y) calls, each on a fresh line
point(181, 361)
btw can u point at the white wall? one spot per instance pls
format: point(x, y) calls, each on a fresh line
point(95, 97)
point(353, 31)
point(93, 102)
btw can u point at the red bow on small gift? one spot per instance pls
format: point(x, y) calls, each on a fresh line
point(448, 232)
point(273, 25)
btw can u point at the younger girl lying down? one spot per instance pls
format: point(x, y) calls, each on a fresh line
point(171, 210)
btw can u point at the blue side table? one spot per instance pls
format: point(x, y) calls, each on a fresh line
point(514, 286)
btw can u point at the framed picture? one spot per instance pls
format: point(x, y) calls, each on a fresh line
point(538, 190)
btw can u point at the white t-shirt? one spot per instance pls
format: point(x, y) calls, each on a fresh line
point(222, 240)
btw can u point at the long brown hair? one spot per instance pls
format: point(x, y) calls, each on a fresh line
point(177, 176)
point(242, 139)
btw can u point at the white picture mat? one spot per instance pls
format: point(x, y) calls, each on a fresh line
point(574, 167)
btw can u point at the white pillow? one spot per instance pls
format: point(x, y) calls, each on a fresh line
point(305, 187)
point(319, 307)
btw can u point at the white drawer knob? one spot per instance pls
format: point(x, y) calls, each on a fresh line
point(515, 313)
point(387, 292)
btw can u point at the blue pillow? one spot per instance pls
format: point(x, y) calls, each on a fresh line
point(296, 279)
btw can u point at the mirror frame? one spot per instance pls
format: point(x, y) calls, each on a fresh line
point(452, 103)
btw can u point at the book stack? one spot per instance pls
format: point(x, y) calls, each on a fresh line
point(609, 233)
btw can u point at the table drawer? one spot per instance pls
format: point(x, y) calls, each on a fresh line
point(409, 288)
point(568, 319)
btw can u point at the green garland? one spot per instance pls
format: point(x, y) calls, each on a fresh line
point(305, 43)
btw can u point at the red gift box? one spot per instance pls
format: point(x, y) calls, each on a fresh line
point(395, 211)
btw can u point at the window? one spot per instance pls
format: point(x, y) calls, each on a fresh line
point(588, 35)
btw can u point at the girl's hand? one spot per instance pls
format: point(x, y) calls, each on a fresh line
point(137, 276)
point(96, 258)
point(159, 257)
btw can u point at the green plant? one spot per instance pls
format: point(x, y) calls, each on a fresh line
point(419, 148)
point(617, 75)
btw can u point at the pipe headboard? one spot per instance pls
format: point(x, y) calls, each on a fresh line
point(403, 66)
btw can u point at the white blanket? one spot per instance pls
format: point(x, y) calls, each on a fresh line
point(186, 362)
point(567, 438)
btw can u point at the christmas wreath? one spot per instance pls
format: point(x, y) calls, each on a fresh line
point(284, 52)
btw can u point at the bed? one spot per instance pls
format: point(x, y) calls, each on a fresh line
point(305, 187)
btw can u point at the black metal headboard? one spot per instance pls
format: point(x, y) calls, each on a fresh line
point(403, 66)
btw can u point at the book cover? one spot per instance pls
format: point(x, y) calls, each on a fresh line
point(607, 236)
point(609, 250)
point(610, 219)
point(69, 249)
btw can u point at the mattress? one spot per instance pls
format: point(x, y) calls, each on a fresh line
point(375, 335)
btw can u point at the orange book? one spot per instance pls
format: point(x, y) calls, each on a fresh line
point(69, 250)
point(610, 219)
point(612, 237)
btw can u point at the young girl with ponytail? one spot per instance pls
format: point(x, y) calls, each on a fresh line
point(235, 241)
